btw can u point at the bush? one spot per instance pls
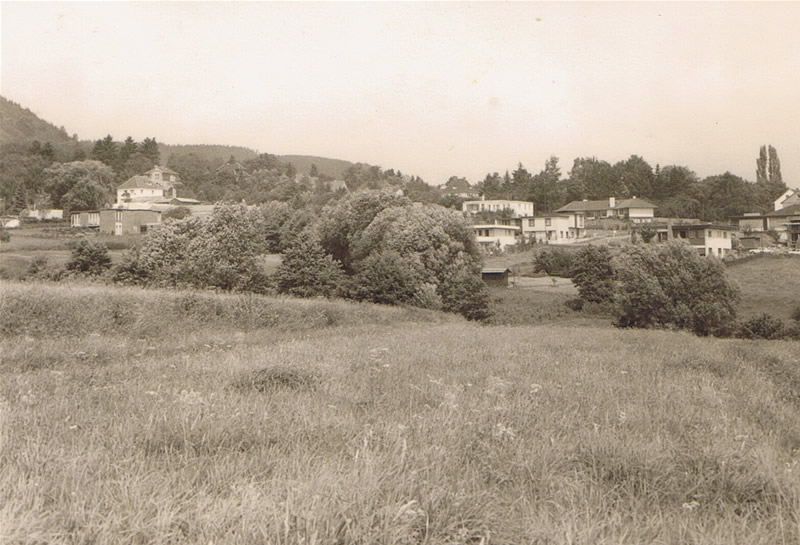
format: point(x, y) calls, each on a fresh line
point(555, 261)
point(176, 212)
point(217, 252)
point(672, 286)
point(306, 271)
point(392, 252)
point(593, 274)
point(5, 236)
point(89, 257)
point(767, 327)
point(796, 313)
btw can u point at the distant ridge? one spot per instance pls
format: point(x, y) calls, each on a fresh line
point(331, 167)
point(21, 126)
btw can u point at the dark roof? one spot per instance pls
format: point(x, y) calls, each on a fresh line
point(139, 181)
point(792, 210)
point(703, 226)
point(495, 270)
point(586, 206)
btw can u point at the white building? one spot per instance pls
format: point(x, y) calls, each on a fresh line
point(553, 228)
point(518, 208)
point(157, 184)
point(496, 236)
point(634, 210)
point(708, 239)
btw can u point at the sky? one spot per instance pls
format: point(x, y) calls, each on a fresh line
point(431, 89)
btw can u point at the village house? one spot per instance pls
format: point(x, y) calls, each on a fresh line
point(634, 210)
point(156, 185)
point(496, 237)
point(517, 208)
point(553, 228)
point(782, 221)
point(707, 238)
point(790, 197)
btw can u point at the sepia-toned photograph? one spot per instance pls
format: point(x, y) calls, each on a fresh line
point(399, 273)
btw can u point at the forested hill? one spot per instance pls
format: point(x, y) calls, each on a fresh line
point(335, 168)
point(212, 153)
point(20, 125)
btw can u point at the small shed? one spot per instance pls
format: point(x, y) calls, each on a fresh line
point(495, 277)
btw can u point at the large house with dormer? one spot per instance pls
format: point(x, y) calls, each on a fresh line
point(156, 185)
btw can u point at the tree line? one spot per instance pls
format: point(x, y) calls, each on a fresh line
point(675, 189)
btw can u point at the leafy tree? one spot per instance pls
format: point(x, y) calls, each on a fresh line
point(774, 170)
point(80, 185)
point(555, 261)
point(593, 274)
point(340, 224)
point(544, 189)
point(761, 166)
point(313, 172)
point(307, 271)
point(220, 251)
point(672, 180)
point(671, 285)
point(89, 257)
point(636, 176)
point(492, 186)
point(591, 178)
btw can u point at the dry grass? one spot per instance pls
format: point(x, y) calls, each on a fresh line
point(399, 432)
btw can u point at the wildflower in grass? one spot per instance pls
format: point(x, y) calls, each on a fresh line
point(503, 432)
point(691, 505)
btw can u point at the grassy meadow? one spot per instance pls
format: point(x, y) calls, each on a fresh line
point(769, 284)
point(137, 416)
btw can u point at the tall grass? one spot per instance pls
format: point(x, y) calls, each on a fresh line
point(399, 432)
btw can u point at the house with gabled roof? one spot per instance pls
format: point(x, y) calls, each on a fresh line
point(790, 197)
point(157, 184)
point(634, 209)
point(783, 221)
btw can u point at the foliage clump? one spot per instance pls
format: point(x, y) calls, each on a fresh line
point(218, 252)
point(672, 286)
point(392, 252)
point(767, 327)
point(593, 274)
point(307, 271)
point(555, 261)
point(89, 257)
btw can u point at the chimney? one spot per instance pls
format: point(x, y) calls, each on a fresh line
point(612, 202)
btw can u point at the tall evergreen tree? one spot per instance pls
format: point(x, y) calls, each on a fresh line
point(149, 149)
point(105, 150)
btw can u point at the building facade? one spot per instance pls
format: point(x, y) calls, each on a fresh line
point(517, 208)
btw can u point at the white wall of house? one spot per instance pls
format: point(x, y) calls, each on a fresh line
point(639, 214)
point(519, 208)
point(497, 236)
point(140, 193)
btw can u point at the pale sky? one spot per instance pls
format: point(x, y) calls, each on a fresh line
point(434, 89)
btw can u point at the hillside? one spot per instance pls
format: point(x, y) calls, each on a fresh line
point(183, 417)
point(331, 167)
point(210, 152)
point(20, 125)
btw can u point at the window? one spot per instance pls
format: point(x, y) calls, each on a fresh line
point(531, 223)
point(547, 222)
